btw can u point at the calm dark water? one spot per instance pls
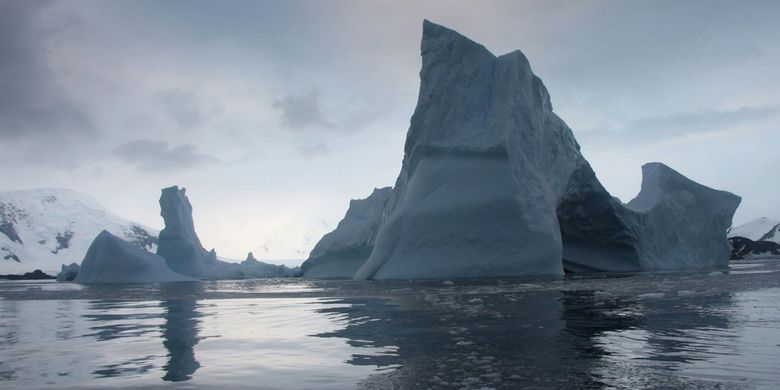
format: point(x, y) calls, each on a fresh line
point(641, 331)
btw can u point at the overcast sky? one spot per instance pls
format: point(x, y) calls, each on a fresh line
point(273, 114)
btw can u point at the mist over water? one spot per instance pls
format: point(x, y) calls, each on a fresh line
point(671, 330)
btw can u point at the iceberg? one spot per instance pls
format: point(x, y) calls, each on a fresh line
point(253, 268)
point(673, 223)
point(110, 259)
point(178, 243)
point(68, 272)
point(493, 184)
point(341, 252)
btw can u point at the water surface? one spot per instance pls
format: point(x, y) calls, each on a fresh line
point(667, 330)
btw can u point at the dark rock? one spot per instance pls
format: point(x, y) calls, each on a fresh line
point(8, 217)
point(745, 248)
point(139, 236)
point(63, 241)
point(35, 275)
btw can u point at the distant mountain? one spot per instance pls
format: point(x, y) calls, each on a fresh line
point(772, 235)
point(45, 228)
point(754, 229)
point(759, 238)
point(745, 248)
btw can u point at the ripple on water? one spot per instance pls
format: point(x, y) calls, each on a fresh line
point(686, 330)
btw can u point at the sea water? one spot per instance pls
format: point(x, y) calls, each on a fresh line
point(631, 331)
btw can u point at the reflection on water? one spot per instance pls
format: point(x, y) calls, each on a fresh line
point(180, 334)
point(630, 331)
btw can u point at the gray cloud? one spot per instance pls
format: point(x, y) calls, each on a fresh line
point(183, 107)
point(302, 111)
point(317, 150)
point(604, 62)
point(653, 129)
point(32, 102)
point(160, 157)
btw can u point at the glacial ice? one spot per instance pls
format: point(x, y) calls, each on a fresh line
point(493, 184)
point(68, 272)
point(178, 244)
point(110, 259)
point(341, 252)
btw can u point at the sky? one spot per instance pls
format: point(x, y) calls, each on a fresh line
point(274, 114)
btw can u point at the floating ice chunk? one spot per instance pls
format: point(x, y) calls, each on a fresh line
point(657, 295)
point(112, 260)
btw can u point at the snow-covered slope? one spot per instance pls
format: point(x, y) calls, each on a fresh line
point(755, 229)
point(45, 228)
point(772, 235)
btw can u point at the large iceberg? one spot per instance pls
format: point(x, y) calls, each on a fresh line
point(673, 223)
point(493, 184)
point(341, 252)
point(110, 259)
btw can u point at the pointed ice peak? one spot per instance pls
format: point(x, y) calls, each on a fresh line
point(659, 181)
point(175, 207)
point(110, 259)
point(105, 235)
point(175, 190)
point(438, 39)
point(518, 60)
point(662, 176)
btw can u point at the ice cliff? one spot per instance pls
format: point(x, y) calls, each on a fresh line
point(178, 244)
point(110, 259)
point(341, 252)
point(493, 184)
